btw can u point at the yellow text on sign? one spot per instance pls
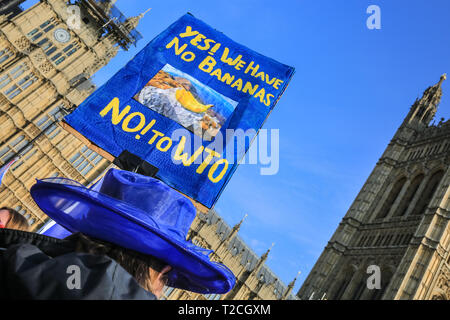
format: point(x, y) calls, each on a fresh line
point(123, 118)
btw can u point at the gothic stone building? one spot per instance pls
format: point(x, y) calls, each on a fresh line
point(45, 67)
point(399, 221)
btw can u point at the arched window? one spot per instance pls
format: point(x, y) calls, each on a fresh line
point(5, 54)
point(427, 117)
point(428, 193)
point(409, 196)
point(342, 287)
point(346, 276)
point(377, 294)
point(359, 290)
point(421, 112)
point(393, 195)
point(86, 160)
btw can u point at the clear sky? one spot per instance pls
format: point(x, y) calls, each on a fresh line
point(352, 88)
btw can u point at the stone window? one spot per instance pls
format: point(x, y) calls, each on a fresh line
point(388, 240)
point(26, 215)
point(85, 160)
point(343, 286)
point(407, 239)
point(369, 241)
point(35, 34)
point(64, 54)
point(359, 290)
point(5, 54)
point(428, 193)
point(409, 196)
point(17, 82)
point(47, 121)
point(379, 240)
point(9, 150)
point(397, 240)
point(26, 155)
point(421, 111)
point(20, 210)
point(11, 76)
point(212, 296)
point(167, 291)
point(393, 195)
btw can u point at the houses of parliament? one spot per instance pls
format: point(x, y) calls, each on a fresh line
point(45, 69)
point(399, 221)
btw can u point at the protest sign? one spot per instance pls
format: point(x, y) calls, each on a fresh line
point(176, 102)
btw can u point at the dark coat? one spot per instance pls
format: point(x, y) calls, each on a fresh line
point(34, 266)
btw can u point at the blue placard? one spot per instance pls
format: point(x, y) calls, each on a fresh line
point(176, 103)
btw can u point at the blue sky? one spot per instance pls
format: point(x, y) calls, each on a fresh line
point(352, 88)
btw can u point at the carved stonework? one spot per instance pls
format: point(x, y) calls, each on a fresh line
point(442, 290)
point(46, 67)
point(38, 57)
point(23, 44)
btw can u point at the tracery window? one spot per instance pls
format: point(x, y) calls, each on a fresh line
point(5, 54)
point(9, 150)
point(409, 195)
point(85, 160)
point(393, 195)
point(428, 193)
point(43, 29)
point(17, 80)
point(47, 121)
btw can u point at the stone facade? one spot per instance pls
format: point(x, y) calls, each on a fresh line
point(45, 68)
point(399, 221)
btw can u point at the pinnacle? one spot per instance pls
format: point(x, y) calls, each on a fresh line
point(133, 22)
point(443, 77)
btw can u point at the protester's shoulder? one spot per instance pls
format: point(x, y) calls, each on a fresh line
point(76, 275)
point(110, 275)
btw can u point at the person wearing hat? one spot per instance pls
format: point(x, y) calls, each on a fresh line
point(128, 241)
point(11, 219)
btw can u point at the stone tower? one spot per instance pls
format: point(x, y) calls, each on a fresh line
point(47, 55)
point(399, 221)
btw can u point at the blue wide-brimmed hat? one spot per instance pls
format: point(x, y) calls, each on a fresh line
point(139, 213)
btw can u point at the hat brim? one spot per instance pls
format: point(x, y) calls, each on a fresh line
point(80, 209)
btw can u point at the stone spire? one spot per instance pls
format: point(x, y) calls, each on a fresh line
point(233, 232)
point(132, 23)
point(433, 94)
point(236, 228)
point(263, 259)
point(266, 255)
point(424, 109)
point(254, 293)
point(107, 5)
point(290, 287)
